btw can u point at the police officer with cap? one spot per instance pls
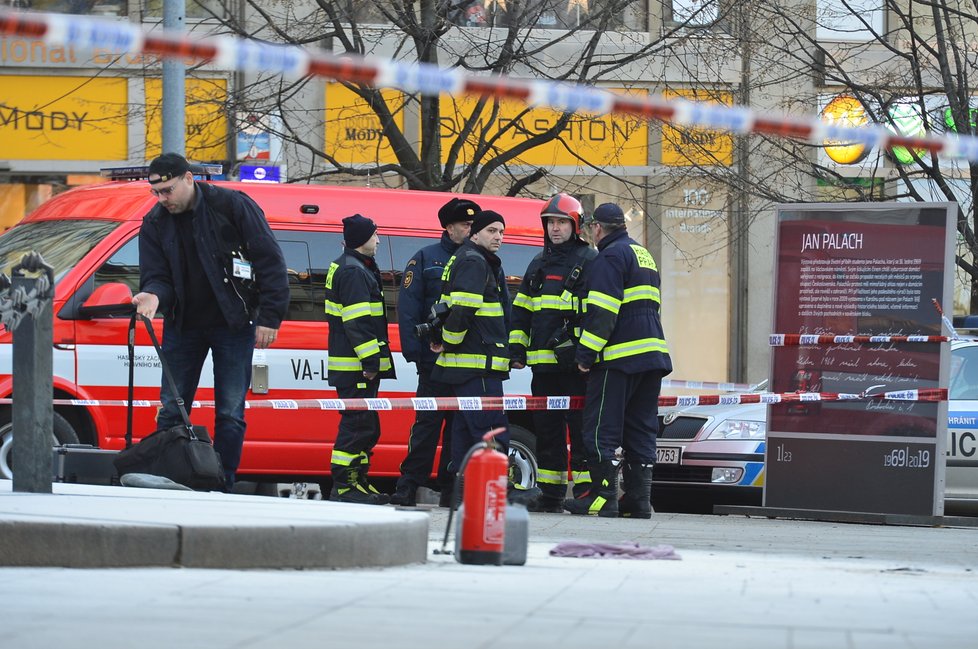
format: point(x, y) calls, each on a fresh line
point(421, 287)
point(359, 357)
point(623, 351)
point(546, 327)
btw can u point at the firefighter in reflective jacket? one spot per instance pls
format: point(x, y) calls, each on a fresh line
point(473, 355)
point(546, 327)
point(359, 356)
point(623, 351)
point(420, 289)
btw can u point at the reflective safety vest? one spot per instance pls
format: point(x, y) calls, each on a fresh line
point(357, 321)
point(474, 335)
point(621, 328)
point(549, 297)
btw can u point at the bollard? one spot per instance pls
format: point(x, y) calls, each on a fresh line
point(33, 375)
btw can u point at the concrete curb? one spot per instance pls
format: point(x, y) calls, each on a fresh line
point(83, 526)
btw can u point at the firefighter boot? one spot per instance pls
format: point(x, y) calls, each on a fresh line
point(550, 500)
point(363, 463)
point(602, 499)
point(347, 487)
point(582, 482)
point(406, 494)
point(637, 484)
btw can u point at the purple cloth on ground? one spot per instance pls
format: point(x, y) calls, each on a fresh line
point(627, 550)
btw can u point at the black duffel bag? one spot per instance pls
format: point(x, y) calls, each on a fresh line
point(182, 453)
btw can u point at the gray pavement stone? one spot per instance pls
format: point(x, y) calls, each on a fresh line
point(742, 582)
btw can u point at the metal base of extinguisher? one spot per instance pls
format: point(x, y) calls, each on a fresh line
point(515, 544)
point(516, 526)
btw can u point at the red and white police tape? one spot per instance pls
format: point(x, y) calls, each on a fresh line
point(787, 340)
point(232, 53)
point(530, 403)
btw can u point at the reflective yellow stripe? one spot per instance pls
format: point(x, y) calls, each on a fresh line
point(604, 301)
point(523, 301)
point(546, 476)
point(342, 458)
point(353, 311)
point(555, 303)
point(519, 337)
point(540, 357)
point(581, 477)
point(343, 363)
point(592, 342)
point(453, 337)
point(332, 308)
point(473, 361)
point(459, 298)
point(368, 348)
point(490, 310)
point(634, 348)
point(596, 506)
point(500, 364)
point(352, 364)
point(636, 293)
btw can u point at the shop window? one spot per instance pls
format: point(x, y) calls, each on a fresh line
point(695, 13)
point(550, 14)
point(87, 7)
point(849, 20)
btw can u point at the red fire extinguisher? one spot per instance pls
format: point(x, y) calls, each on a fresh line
point(484, 516)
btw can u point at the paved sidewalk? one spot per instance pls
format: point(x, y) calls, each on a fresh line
point(741, 582)
point(86, 526)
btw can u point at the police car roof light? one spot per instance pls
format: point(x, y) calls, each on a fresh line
point(141, 172)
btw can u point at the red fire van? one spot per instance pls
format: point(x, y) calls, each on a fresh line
point(90, 236)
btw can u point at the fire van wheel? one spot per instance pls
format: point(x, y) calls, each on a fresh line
point(63, 434)
point(522, 457)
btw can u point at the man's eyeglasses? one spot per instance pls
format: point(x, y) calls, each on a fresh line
point(163, 191)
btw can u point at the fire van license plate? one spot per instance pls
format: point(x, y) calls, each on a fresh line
point(668, 454)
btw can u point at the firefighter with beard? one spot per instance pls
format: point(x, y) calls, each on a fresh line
point(545, 333)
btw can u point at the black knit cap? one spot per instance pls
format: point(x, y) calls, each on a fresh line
point(484, 218)
point(357, 230)
point(457, 209)
point(168, 166)
point(609, 213)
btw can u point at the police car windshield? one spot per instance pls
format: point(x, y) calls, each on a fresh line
point(61, 243)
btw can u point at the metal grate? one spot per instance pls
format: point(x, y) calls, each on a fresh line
point(681, 428)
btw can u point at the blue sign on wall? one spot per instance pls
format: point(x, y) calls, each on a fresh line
point(259, 174)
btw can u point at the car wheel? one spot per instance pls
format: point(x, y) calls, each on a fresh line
point(522, 457)
point(63, 433)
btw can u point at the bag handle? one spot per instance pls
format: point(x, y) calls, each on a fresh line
point(166, 374)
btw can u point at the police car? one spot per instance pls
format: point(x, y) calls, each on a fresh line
point(715, 454)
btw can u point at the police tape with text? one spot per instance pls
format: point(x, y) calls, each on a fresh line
point(532, 403)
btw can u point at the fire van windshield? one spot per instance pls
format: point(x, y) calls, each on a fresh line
point(61, 243)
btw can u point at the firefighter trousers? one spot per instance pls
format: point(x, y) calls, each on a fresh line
point(359, 430)
point(429, 426)
point(621, 410)
point(552, 427)
point(470, 425)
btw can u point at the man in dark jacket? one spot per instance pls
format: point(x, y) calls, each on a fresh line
point(359, 357)
point(623, 351)
point(473, 356)
point(420, 288)
point(546, 327)
point(210, 263)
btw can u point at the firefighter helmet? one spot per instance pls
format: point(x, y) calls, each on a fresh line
point(563, 206)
